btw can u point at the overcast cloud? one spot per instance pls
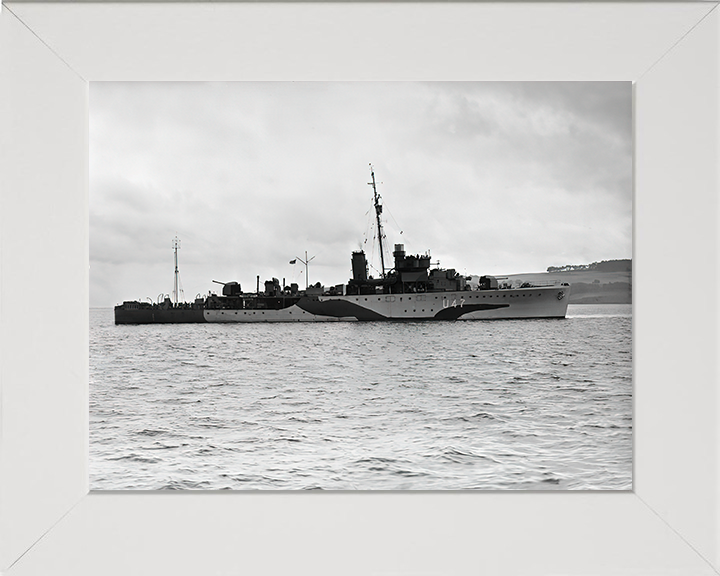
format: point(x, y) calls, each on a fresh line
point(491, 178)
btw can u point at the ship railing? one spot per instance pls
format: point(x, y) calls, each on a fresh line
point(534, 284)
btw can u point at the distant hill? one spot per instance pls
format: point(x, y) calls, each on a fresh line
point(606, 282)
point(604, 266)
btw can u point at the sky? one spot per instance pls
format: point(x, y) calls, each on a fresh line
point(488, 177)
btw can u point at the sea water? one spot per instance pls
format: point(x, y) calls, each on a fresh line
point(466, 405)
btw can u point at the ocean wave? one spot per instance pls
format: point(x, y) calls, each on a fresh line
point(407, 406)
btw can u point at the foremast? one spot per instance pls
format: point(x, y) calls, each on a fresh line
point(378, 211)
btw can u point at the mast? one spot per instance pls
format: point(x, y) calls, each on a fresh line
point(306, 261)
point(176, 245)
point(306, 270)
point(378, 211)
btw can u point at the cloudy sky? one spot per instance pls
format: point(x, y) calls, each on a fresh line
point(490, 177)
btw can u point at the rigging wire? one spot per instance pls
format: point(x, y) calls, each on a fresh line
point(372, 227)
point(374, 252)
point(177, 285)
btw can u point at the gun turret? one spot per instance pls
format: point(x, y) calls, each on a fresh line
point(230, 288)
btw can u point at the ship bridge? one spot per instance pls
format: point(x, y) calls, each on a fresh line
point(412, 270)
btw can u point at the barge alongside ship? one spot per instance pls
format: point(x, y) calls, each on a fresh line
point(411, 290)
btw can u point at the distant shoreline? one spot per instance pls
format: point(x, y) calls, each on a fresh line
point(588, 286)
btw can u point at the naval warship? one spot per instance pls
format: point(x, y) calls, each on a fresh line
point(409, 290)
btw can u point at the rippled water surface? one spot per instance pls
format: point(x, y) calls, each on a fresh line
point(516, 404)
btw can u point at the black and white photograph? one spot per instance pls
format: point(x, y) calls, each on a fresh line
point(361, 286)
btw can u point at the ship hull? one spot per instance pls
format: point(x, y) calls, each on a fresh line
point(544, 302)
point(290, 314)
point(158, 316)
point(521, 303)
point(501, 304)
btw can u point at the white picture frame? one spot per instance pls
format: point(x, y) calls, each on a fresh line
point(49, 522)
